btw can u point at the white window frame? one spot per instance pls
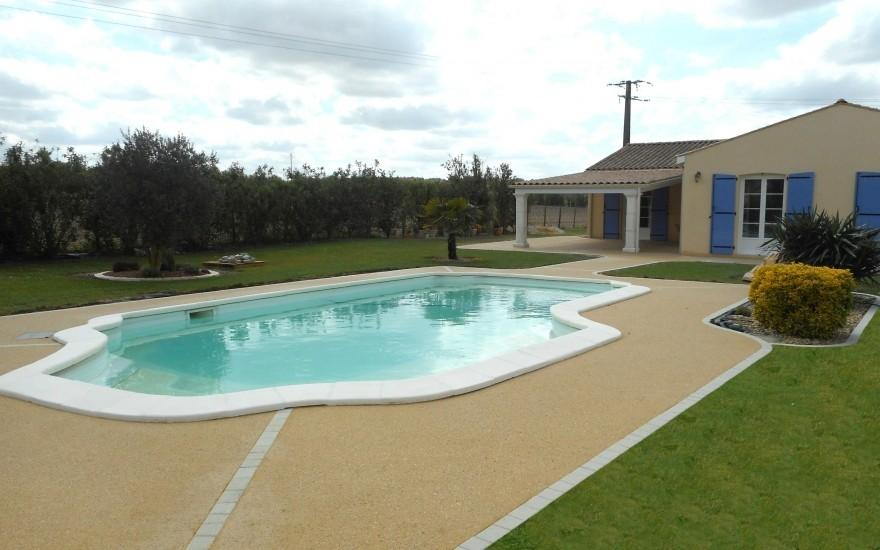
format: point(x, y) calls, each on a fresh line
point(645, 232)
point(746, 245)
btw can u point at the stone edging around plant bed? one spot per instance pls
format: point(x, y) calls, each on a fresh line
point(103, 275)
point(853, 337)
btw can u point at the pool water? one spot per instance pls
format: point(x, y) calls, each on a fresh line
point(393, 334)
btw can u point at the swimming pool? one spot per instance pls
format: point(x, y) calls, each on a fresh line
point(388, 340)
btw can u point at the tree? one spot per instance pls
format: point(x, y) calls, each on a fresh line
point(42, 200)
point(163, 186)
point(451, 216)
point(306, 196)
point(486, 187)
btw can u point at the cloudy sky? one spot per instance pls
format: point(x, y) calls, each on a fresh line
point(411, 83)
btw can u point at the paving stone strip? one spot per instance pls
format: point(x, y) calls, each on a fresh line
point(519, 515)
point(225, 504)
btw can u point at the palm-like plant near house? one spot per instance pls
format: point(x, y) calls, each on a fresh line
point(818, 238)
point(452, 216)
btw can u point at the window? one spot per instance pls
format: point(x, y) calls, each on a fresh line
point(762, 205)
point(645, 210)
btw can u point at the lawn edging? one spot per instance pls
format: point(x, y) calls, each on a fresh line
point(529, 508)
point(853, 337)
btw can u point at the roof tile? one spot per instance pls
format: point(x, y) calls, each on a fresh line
point(640, 156)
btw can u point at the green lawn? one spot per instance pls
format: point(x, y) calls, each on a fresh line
point(28, 286)
point(713, 272)
point(786, 455)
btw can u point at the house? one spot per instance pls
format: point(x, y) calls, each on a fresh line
point(723, 196)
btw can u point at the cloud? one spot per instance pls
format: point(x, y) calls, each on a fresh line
point(255, 111)
point(524, 85)
point(423, 117)
point(772, 9)
point(336, 36)
point(12, 88)
point(129, 93)
point(861, 45)
point(822, 88)
point(22, 112)
point(387, 83)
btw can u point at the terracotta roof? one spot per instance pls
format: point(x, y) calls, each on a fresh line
point(661, 154)
point(609, 177)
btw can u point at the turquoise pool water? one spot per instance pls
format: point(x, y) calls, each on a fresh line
point(377, 331)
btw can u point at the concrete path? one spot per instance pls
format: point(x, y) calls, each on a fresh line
point(427, 475)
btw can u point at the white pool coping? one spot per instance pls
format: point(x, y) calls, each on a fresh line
point(35, 383)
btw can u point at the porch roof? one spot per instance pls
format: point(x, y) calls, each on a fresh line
point(633, 164)
point(607, 177)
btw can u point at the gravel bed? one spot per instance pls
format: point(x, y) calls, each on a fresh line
point(740, 319)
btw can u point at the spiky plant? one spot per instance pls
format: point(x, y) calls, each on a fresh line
point(818, 238)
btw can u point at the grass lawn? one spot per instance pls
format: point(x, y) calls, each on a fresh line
point(786, 455)
point(29, 286)
point(713, 272)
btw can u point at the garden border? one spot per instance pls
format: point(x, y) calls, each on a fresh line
point(104, 277)
point(853, 337)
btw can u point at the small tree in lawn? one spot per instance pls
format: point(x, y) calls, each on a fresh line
point(452, 216)
point(161, 187)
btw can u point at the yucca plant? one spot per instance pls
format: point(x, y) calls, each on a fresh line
point(818, 238)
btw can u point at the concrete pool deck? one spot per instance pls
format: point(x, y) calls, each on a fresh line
point(427, 475)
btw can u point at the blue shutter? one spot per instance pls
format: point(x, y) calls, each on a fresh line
point(799, 193)
point(660, 214)
point(723, 212)
point(868, 198)
point(611, 225)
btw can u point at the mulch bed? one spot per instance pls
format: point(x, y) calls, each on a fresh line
point(740, 319)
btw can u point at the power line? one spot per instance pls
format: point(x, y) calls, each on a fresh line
point(251, 31)
point(210, 37)
point(759, 101)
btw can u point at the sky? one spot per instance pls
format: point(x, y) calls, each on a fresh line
point(413, 83)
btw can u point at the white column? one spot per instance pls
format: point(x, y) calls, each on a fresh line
point(631, 225)
point(522, 219)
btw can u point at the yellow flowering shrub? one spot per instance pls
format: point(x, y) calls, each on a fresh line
point(801, 300)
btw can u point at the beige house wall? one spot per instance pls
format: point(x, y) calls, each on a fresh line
point(597, 215)
point(834, 143)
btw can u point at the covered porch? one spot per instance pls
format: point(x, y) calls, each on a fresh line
point(627, 209)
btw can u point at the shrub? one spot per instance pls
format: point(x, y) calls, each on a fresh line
point(150, 272)
point(125, 266)
point(817, 238)
point(189, 270)
point(801, 300)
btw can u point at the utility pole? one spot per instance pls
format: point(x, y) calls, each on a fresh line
point(627, 85)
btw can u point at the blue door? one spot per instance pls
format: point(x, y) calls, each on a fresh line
point(868, 199)
point(660, 214)
point(611, 225)
point(723, 214)
point(799, 193)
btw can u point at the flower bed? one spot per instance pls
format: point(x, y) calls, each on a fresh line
point(741, 319)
